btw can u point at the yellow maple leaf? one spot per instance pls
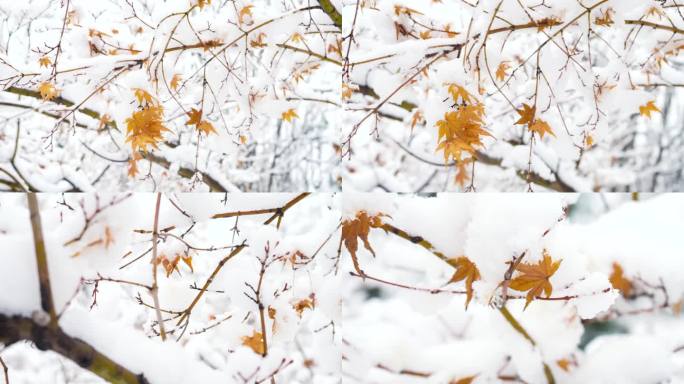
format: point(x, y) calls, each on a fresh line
point(289, 115)
point(255, 342)
point(243, 139)
point(206, 127)
point(174, 81)
point(456, 91)
point(501, 70)
point(465, 270)
point(188, 261)
point(534, 278)
point(145, 128)
point(541, 127)
point(245, 12)
point(645, 110)
point(461, 131)
point(142, 95)
point(44, 61)
point(47, 91)
point(202, 3)
point(619, 281)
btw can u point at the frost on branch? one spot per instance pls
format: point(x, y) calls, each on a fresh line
point(578, 95)
point(178, 95)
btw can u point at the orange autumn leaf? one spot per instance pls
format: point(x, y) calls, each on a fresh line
point(347, 91)
point(47, 91)
point(645, 110)
point(461, 131)
point(206, 127)
point(357, 228)
point(145, 127)
point(606, 20)
point(255, 342)
point(188, 261)
point(534, 278)
point(44, 61)
point(541, 127)
point(143, 96)
point(174, 81)
point(619, 281)
point(244, 13)
point(194, 117)
point(458, 92)
point(465, 270)
point(202, 3)
point(258, 42)
point(464, 380)
point(526, 114)
point(289, 115)
point(501, 70)
point(564, 364)
point(303, 304)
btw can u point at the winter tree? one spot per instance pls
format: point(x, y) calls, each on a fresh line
point(563, 95)
point(173, 95)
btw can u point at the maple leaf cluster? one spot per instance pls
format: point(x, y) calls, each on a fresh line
point(534, 125)
point(461, 131)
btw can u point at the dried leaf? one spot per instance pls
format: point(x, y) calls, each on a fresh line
point(255, 342)
point(245, 14)
point(465, 380)
point(541, 127)
point(44, 61)
point(461, 131)
point(645, 110)
point(465, 270)
point(303, 304)
point(47, 91)
point(619, 281)
point(143, 96)
point(606, 20)
point(501, 70)
point(458, 92)
point(359, 228)
point(526, 114)
point(534, 278)
point(174, 81)
point(145, 128)
point(289, 115)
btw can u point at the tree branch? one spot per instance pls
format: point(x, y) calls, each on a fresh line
point(330, 10)
point(46, 300)
point(18, 328)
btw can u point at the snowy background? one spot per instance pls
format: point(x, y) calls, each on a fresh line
point(613, 315)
